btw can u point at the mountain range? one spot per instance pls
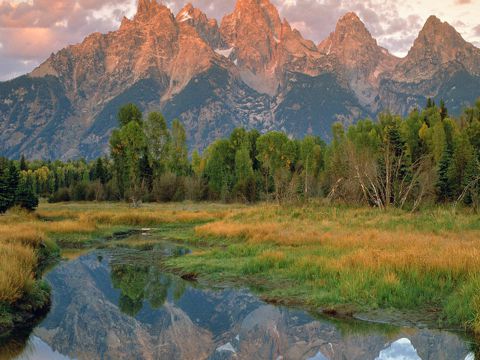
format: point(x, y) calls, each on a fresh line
point(252, 70)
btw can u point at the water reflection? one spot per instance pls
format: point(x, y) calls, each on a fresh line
point(119, 304)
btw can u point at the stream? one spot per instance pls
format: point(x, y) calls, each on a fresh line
point(118, 303)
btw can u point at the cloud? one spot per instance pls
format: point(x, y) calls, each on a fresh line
point(32, 29)
point(476, 30)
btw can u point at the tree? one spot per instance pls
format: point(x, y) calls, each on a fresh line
point(277, 153)
point(118, 154)
point(219, 169)
point(178, 151)
point(245, 185)
point(158, 142)
point(5, 195)
point(23, 164)
point(310, 160)
point(198, 163)
point(443, 110)
point(127, 147)
point(100, 171)
point(129, 113)
point(26, 196)
point(146, 171)
point(444, 188)
point(13, 180)
point(133, 139)
point(463, 160)
point(430, 103)
point(394, 163)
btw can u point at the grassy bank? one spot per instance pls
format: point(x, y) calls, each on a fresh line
point(24, 251)
point(349, 260)
point(338, 259)
point(28, 241)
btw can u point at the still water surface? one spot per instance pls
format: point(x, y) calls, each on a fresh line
point(119, 304)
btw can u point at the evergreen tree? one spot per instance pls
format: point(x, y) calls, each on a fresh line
point(395, 163)
point(430, 103)
point(26, 196)
point(23, 164)
point(5, 196)
point(443, 110)
point(100, 171)
point(443, 186)
point(463, 160)
point(13, 180)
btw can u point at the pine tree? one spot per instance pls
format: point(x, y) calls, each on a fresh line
point(23, 164)
point(26, 196)
point(5, 199)
point(443, 110)
point(100, 172)
point(444, 188)
point(13, 180)
point(430, 103)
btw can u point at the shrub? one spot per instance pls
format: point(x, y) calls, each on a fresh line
point(61, 195)
point(169, 187)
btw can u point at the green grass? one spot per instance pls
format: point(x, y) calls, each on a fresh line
point(348, 258)
point(322, 257)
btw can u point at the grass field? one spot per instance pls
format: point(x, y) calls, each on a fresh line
point(348, 259)
point(332, 258)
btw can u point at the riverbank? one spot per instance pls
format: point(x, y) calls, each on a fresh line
point(424, 267)
point(29, 242)
point(25, 252)
point(336, 260)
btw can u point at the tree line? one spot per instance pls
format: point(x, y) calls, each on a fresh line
point(16, 186)
point(427, 157)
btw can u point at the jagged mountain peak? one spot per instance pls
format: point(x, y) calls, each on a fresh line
point(353, 44)
point(189, 12)
point(437, 46)
point(206, 28)
point(260, 13)
point(350, 17)
point(148, 8)
point(349, 32)
point(436, 33)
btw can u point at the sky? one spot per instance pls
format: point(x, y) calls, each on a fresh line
point(30, 30)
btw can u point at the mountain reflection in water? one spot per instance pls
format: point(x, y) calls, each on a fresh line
point(119, 304)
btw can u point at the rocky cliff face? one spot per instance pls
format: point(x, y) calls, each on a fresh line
point(254, 70)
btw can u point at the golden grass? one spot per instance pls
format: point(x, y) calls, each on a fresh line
point(23, 234)
point(16, 271)
point(268, 232)
point(136, 217)
point(364, 249)
point(67, 227)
